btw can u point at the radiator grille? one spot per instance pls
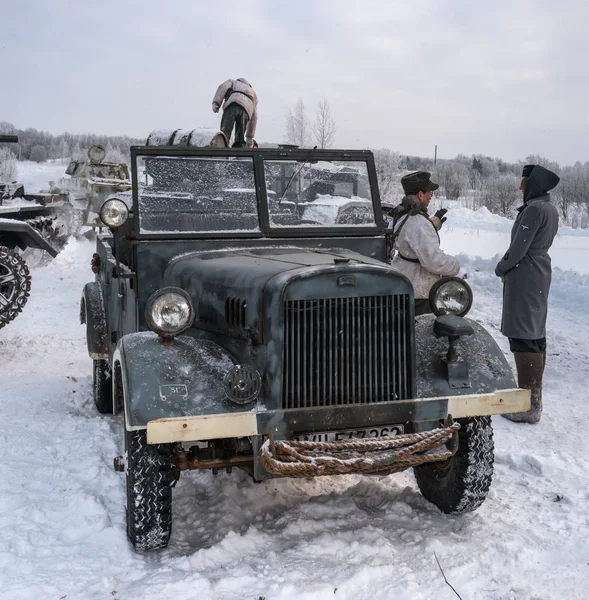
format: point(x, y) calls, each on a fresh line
point(346, 351)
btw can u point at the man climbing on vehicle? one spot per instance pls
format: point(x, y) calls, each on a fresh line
point(240, 111)
point(416, 240)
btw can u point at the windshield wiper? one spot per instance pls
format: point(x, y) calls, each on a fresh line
point(295, 173)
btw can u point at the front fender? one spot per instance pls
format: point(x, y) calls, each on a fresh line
point(488, 368)
point(174, 378)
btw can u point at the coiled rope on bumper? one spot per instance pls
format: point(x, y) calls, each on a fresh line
point(294, 458)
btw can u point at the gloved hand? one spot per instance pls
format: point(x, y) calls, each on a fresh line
point(440, 214)
point(215, 107)
point(249, 142)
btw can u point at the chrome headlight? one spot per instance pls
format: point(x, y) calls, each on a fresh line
point(114, 213)
point(450, 296)
point(169, 312)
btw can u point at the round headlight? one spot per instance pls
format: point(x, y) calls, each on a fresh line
point(114, 213)
point(450, 296)
point(169, 312)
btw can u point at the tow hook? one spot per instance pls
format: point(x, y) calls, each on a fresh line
point(119, 464)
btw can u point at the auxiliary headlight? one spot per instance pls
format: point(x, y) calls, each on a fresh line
point(169, 312)
point(114, 213)
point(450, 296)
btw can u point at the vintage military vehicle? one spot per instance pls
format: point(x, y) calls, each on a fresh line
point(23, 226)
point(236, 324)
point(89, 183)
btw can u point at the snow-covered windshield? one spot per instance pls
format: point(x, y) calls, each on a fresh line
point(318, 194)
point(196, 194)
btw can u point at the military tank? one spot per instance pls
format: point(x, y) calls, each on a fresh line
point(24, 224)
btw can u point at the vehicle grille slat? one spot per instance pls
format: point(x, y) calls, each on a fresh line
point(353, 350)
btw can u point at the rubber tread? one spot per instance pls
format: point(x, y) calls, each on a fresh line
point(461, 484)
point(16, 292)
point(149, 492)
point(102, 386)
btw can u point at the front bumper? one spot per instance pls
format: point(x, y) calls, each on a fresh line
point(285, 423)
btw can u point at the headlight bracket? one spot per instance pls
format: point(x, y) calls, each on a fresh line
point(454, 328)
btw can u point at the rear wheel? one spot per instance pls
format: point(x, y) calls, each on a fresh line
point(15, 284)
point(149, 492)
point(462, 483)
point(102, 386)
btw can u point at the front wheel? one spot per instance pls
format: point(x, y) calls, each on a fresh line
point(149, 492)
point(102, 387)
point(461, 484)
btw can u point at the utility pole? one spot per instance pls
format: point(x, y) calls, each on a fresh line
point(435, 154)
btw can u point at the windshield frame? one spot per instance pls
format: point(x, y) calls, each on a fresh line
point(258, 156)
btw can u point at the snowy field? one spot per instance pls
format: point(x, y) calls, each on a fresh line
point(62, 512)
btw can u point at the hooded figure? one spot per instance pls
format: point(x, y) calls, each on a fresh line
point(527, 273)
point(240, 111)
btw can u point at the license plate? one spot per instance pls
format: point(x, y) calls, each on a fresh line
point(368, 433)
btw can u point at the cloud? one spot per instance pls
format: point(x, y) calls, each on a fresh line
point(503, 79)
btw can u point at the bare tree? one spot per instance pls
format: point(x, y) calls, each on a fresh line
point(297, 124)
point(323, 130)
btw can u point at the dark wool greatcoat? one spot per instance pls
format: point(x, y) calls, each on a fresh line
point(526, 265)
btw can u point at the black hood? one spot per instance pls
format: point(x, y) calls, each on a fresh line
point(540, 181)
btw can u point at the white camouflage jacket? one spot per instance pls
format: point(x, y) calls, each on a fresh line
point(244, 95)
point(418, 240)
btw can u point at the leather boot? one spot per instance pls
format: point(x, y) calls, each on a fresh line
point(530, 369)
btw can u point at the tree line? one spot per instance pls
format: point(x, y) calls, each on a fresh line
point(479, 181)
point(476, 180)
point(40, 146)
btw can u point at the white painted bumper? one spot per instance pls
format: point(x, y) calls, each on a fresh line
point(229, 425)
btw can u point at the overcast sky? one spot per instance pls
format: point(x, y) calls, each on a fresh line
point(507, 78)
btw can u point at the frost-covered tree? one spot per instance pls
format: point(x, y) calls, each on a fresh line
point(7, 128)
point(502, 194)
point(38, 153)
point(573, 190)
point(297, 124)
point(323, 130)
point(453, 178)
point(64, 149)
point(115, 155)
point(388, 168)
point(8, 166)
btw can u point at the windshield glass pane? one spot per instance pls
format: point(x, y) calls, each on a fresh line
point(318, 194)
point(196, 194)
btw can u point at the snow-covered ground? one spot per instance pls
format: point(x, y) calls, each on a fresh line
point(62, 517)
point(36, 176)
